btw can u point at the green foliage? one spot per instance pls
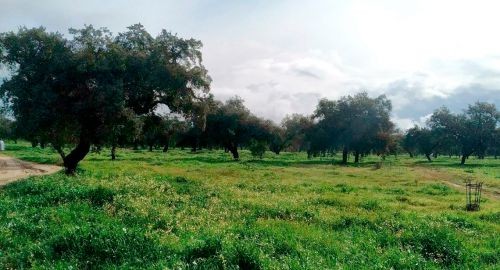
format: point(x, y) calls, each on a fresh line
point(231, 125)
point(6, 128)
point(353, 123)
point(437, 190)
point(90, 88)
point(257, 148)
point(436, 244)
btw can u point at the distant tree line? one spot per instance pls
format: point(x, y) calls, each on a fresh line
point(473, 132)
point(134, 90)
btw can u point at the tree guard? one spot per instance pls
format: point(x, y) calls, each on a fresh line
point(473, 195)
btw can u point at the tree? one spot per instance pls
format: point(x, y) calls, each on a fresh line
point(257, 148)
point(410, 141)
point(427, 140)
point(226, 125)
point(295, 128)
point(231, 125)
point(495, 144)
point(354, 123)
point(278, 139)
point(196, 121)
point(6, 128)
point(152, 130)
point(160, 130)
point(473, 129)
point(69, 91)
point(125, 130)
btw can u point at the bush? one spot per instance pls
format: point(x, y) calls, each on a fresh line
point(257, 148)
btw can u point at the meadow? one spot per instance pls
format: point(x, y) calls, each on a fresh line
point(183, 210)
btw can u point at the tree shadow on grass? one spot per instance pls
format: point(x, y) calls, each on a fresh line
point(450, 164)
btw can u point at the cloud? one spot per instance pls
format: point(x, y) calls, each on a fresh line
point(283, 56)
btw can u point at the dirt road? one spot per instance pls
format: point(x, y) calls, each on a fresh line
point(12, 169)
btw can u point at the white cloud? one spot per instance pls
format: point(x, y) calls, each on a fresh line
point(282, 56)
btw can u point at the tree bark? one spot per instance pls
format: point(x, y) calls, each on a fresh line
point(345, 152)
point(411, 154)
point(113, 152)
point(462, 162)
point(165, 148)
point(151, 148)
point(356, 157)
point(234, 151)
point(428, 156)
point(72, 159)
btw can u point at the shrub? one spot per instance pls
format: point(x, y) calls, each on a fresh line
point(257, 148)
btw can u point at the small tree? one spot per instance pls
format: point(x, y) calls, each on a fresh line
point(409, 141)
point(257, 148)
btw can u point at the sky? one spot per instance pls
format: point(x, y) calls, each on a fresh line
point(281, 56)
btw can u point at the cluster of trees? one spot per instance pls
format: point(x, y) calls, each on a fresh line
point(135, 90)
point(475, 131)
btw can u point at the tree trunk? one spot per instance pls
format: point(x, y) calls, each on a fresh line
point(462, 162)
point(356, 157)
point(428, 156)
point(71, 160)
point(113, 152)
point(234, 151)
point(150, 148)
point(165, 148)
point(411, 154)
point(345, 152)
point(435, 155)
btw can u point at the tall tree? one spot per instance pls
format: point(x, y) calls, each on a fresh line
point(70, 90)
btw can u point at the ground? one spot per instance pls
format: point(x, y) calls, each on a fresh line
point(185, 210)
point(12, 169)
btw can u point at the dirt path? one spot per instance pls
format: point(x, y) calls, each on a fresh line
point(12, 169)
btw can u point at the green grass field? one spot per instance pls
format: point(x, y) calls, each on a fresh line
point(204, 211)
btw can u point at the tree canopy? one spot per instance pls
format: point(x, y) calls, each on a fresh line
point(71, 91)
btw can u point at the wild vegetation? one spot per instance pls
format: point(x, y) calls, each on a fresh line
point(172, 178)
point(205, 211)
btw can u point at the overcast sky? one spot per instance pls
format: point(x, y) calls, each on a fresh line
point(283, 56)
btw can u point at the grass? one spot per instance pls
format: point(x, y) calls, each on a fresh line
point(204, 211)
